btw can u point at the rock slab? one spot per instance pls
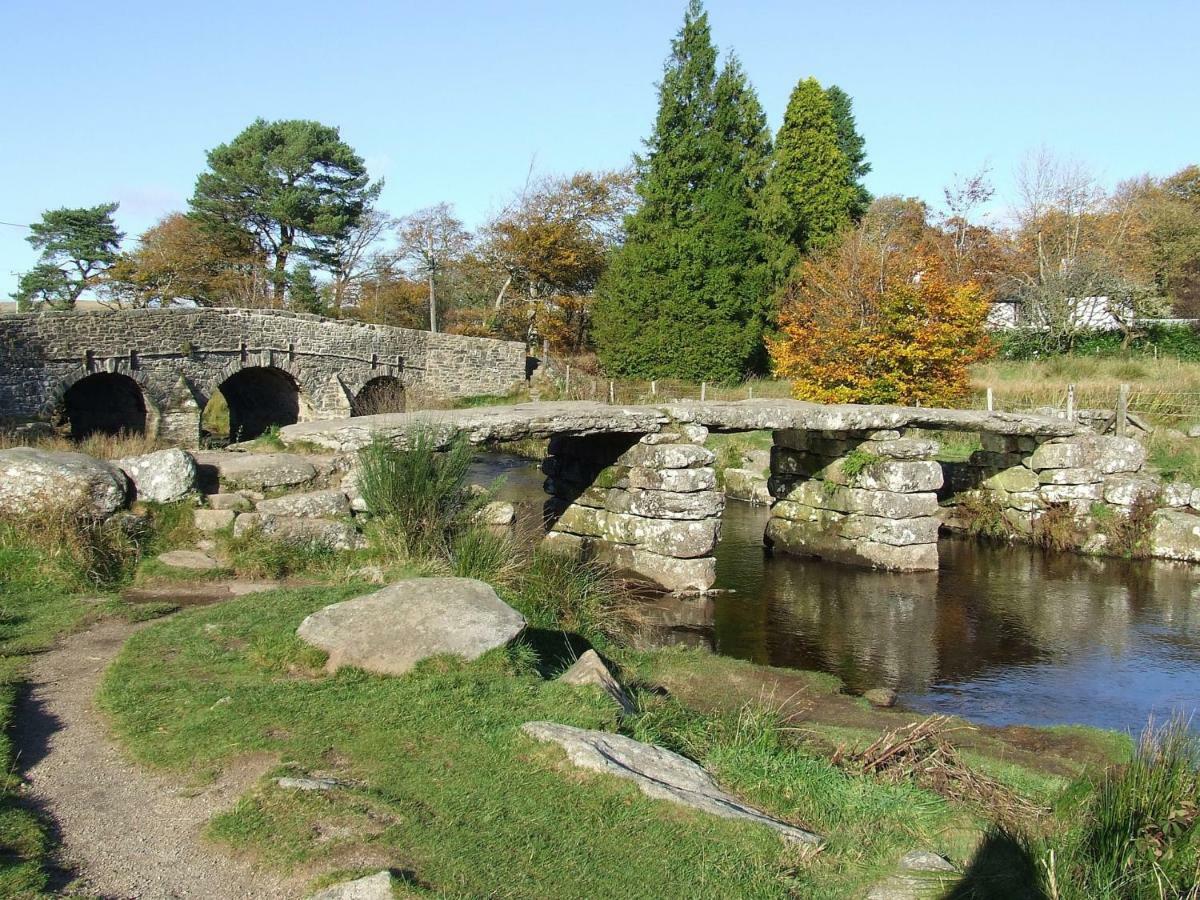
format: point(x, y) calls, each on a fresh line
point(161, 477)
point(372, 887)
point(32, 481)
point(658, 773)
point(391, 630)
point(590, 669)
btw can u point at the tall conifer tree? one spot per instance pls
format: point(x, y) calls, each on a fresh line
point(853, 147)
point(810, 193)
point(685, 295)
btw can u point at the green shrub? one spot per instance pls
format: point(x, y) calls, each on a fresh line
point(421, 492)
point(560, 591)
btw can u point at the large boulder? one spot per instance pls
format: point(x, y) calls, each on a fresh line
point(314, 505)
point(35, 480)
point(393, 629)
point(658, 773)
point(254, 471)
point(162, 477)
point(333, 534)
point(1175, 535)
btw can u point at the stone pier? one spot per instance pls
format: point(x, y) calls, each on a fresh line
point(647, 504)
point(864, 498)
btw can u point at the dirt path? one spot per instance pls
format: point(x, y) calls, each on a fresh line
point(124, 832)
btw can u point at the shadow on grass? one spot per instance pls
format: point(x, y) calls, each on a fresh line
point(556, 651)
point(1002, 869)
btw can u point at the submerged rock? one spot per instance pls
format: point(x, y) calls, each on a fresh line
point(658, 773)
point(33, 481)
point(391, 630)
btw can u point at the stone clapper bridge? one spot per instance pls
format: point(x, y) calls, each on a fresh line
point(635, 486)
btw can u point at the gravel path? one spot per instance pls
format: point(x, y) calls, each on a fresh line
point(124, 832)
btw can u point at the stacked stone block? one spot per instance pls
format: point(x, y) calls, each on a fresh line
point(649, 505)
point(862, 498)
point(1023, 477)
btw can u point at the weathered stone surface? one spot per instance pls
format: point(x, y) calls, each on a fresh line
point(1066, 493)
point(1107, 453)
point(245, 523)
point(236, 502)
point(370, 887)
point(1014, 478)
point(678, 538)
point(676, 575)
point(307, 784)
point(161, 477)
point(256, 471)
point(212, 519)
point(898, 476)
point(681, 480)
point(1125, 490)
point(35, 480)
point(812, 539)
point(920, 875)
point(902, 448)
point(666, 456)
point(497, 512)
point(393, 629)
point(188, 559)
point(887, 504)
point(312, 505)
point(334, 534)
point(488, 424)
point(590, 669)
point(665, 504)
point(658, 773)
point(745, 484)
point(899, 532)
point(1175, 535)
point(1070, 476)
point(1176, 494)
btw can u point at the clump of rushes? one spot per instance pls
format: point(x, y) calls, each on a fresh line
point(77, 550)
point(1135, 835)
point(420, 494)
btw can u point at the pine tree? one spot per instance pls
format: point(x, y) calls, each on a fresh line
point(853, 147)
point(685, 295)
point(303, 294)
point(810, 194)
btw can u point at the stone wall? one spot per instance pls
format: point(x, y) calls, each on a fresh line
point(179, 357)
point(646, 504)
point(863, 498)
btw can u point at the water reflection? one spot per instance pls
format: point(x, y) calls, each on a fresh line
point(1006, 634)
point(999, 634)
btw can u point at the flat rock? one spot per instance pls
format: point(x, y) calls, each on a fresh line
point(920, 875)
point(880, 697)
point(161, 477)
point(236, 502)
point(590, 669)
point(212, 519)
point(497, 512)
point(748, 485)
point(188, 559)
point(393, 629)
point(307, 784)
point(312, 505)
point(658, 773)
point(256, 471)
point(335, 534)
point(1175, 535)
point(372, 887)
point(33, 481)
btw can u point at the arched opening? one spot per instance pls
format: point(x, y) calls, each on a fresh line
point(104, 403)
point(384, 394)
point(255, 399)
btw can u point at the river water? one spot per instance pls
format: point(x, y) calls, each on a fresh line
point(999, 635)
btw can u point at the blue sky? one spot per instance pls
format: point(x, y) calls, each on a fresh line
point(452, 101)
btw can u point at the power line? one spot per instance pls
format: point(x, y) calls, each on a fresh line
point(13, 225)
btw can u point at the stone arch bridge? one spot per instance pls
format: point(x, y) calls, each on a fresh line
point(154, 370)
point(853, 484)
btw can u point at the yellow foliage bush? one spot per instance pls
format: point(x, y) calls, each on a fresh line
point(850, 332)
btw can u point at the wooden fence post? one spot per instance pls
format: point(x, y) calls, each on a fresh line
point(703, 390)
point(1070, 403)
point(990, 400)
point(1122, 418)
point(612, 394)
point(567, 390)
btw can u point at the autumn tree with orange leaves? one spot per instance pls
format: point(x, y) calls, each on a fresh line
point(854, 331)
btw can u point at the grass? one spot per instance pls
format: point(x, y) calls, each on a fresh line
point(448, 788)
point(733, 451)
point(98, 445)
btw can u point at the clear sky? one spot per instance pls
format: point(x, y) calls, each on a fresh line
point(453, 100)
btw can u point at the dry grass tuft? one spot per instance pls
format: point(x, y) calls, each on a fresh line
point(99, 446)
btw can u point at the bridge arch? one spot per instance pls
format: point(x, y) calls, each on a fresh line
point(105, 403)
point(381, 394)
point(260, 397)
